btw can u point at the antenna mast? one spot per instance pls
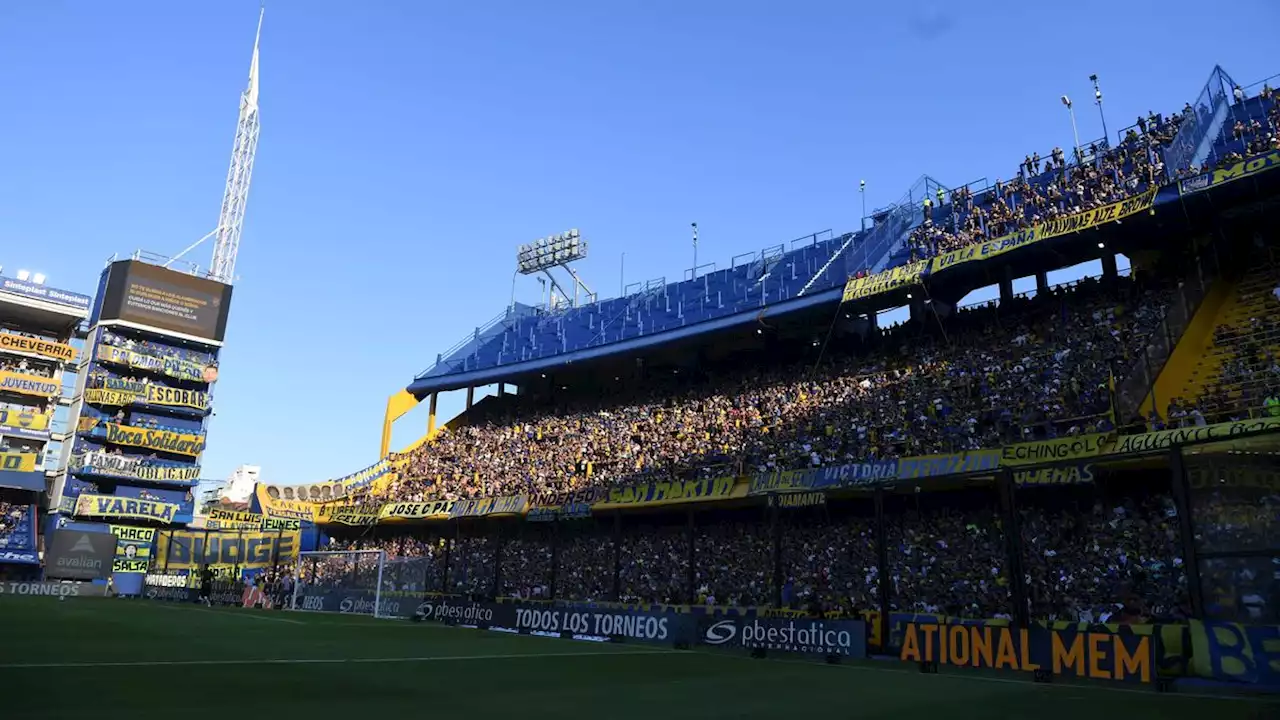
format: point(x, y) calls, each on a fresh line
point(234, 198)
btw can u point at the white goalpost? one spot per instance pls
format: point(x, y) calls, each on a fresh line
point(342, 581)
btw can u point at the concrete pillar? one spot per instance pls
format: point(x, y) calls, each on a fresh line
point(431, 414)
point(1109, 271)
point(471, 397)
point(1042, 282)
point(1006, 290)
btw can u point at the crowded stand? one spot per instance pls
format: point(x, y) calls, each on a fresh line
point(1030, 369)
point(156, 350)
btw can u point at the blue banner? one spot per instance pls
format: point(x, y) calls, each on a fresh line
point(33, 481)
point(872, 472)
point(18, 534)
point(804, 636)
point(44, 292)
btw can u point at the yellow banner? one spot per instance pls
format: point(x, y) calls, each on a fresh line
point(1165, 439)
point(173, 367)
point(274, 506)
point(218, 519)
point(1047, 451)
point(176, 397)
point(270, 524)
point(25, 419)
point(668, 493)
point(24, 384)
point(1046, 230)
point(114, 398)
point(187, 549)
point(892, 279)
point(110, 506)
point(18, 462)
point(36, 346)
point(178, 443)
point(434, 510)
point(129, 533)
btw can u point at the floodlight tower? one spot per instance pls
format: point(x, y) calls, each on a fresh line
point(557, 251)
point(234, 198)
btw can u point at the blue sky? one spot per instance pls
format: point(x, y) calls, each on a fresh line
point(408, 147)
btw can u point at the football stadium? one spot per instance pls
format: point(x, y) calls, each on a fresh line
point(810, 481)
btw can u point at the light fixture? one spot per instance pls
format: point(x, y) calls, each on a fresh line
point(549, 252)
point(1101, 245)
point(38, 278)
point(544, 375)
point(909, 296)
point(24, 275)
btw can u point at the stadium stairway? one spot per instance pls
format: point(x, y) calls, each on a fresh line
point(1196, 363)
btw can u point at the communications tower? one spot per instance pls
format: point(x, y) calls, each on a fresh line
point(231, 219)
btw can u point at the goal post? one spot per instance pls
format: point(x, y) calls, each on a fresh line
point(342, 581)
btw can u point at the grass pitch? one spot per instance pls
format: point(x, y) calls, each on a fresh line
point(140, 660)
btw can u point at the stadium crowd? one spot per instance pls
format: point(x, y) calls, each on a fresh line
point(1030, 369)
point(157, 350)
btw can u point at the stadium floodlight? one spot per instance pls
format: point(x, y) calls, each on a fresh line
point(550, 252)
point(24, 275)
point(1097, 99)
point(38, 278)
point(1074, 132)
point(557, 251)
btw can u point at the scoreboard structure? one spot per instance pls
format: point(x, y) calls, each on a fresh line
point(142, 402)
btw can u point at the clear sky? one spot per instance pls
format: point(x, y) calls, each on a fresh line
point(408, 147)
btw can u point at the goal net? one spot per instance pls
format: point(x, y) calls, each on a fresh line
point(345, 581)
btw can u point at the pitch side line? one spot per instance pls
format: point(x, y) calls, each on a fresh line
point(327, 661)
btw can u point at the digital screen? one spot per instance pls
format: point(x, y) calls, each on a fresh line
point(166, 300)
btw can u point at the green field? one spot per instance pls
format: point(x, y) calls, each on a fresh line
point(97, 658)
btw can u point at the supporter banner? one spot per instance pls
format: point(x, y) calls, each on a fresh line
point(111, 506)
point(248, 550)
point(1236, 653)
point(113, 398)
point(347, 515)
point(825, 478)
point(1044, 231)
point(508, 505)
point(1165, 439)
point(18, 462)
point(1242, 169)
point(1046, 451)
point(913, 468)
point(36, 346)
point(574, 504)
point(218, 519)
point(1057, 475)
point(676, 491)
point(270, 524)
point(133, 468)
point(434, 510)
point(1069, 653)
point(311, 493)
point(49, 588)
point(44, 292)
point(24, 384)
point(176, 397)
point(275, 507)
point(847, 638)
point(23, 420)
point(133, 549)
point(173, 367)
point(791, 501)
point(164, 440)
point(857, 288)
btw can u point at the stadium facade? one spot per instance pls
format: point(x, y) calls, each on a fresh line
point(142, 401)
point(41, 343)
